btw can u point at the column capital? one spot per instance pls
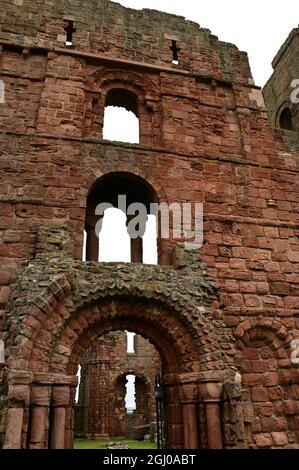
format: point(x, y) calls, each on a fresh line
point(40, 395)
point(19, 377)
point(170, 380)
point(191, 377)
point(18, 395)
point(50, 378)
point(188, 392)
point(60, 396)
point(210, 391)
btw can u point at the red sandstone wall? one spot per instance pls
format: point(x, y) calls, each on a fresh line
point(111, 30)
point(208, 142)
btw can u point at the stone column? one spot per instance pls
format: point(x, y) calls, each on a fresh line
point(40, 401)
point(14, 425)
point(202, 423)
point(70, 420)
point(189, 400)
point(92, 240)
point(173, 413)
point(214, 424)
point(136, 250)
point(136, 243)
point(60, 401)
point(210, 395)
point(18, 396)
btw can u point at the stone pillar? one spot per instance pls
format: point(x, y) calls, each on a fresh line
point(210, 395)
point(18, 396)
point(14, 425)
point(40, 401)
point(174, 432)
point(60, 401)
point(92, 244)
point(189, 400)
point(70, 420)
point(136, 250)
point(136, 243)
point(214, 425)
point(202, 423)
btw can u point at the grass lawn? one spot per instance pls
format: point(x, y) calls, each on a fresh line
point(101, 444)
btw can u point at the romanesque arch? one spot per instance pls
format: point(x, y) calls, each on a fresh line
point(123, 88)
point(270, 379)
point(68, 307)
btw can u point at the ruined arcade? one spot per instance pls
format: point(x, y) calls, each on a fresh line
point(223, 317)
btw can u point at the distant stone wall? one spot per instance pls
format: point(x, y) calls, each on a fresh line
point(102, 388)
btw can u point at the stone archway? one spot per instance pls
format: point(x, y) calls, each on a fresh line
point(58, 309)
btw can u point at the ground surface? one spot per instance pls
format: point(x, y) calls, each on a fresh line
point(101, 444)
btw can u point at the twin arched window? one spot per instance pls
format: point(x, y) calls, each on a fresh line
point(111, 232)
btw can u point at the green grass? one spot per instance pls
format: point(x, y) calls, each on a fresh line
point(101, 444)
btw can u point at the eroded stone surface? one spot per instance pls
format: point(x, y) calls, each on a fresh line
point(204, 137)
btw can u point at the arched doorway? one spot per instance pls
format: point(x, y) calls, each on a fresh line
point(170, 307)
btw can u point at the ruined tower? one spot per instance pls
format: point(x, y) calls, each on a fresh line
point(223, 316)
point(278, 91)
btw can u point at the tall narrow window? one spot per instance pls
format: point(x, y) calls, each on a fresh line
point(175, 52)
point(121, 118)
point(130, 342)
point(130, 394)
point(70, 30)
point(286, 119)
point(78, 386)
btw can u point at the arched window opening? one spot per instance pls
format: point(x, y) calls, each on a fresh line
point(70, 30)
point(121, 117)
point(131, 346)
point(130, 399)
point(286, 119)
point(119, 224)
point(175, 52)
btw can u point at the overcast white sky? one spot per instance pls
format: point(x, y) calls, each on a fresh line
point(258, 27)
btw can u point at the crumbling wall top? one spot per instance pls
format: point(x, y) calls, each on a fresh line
point(107, 28)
